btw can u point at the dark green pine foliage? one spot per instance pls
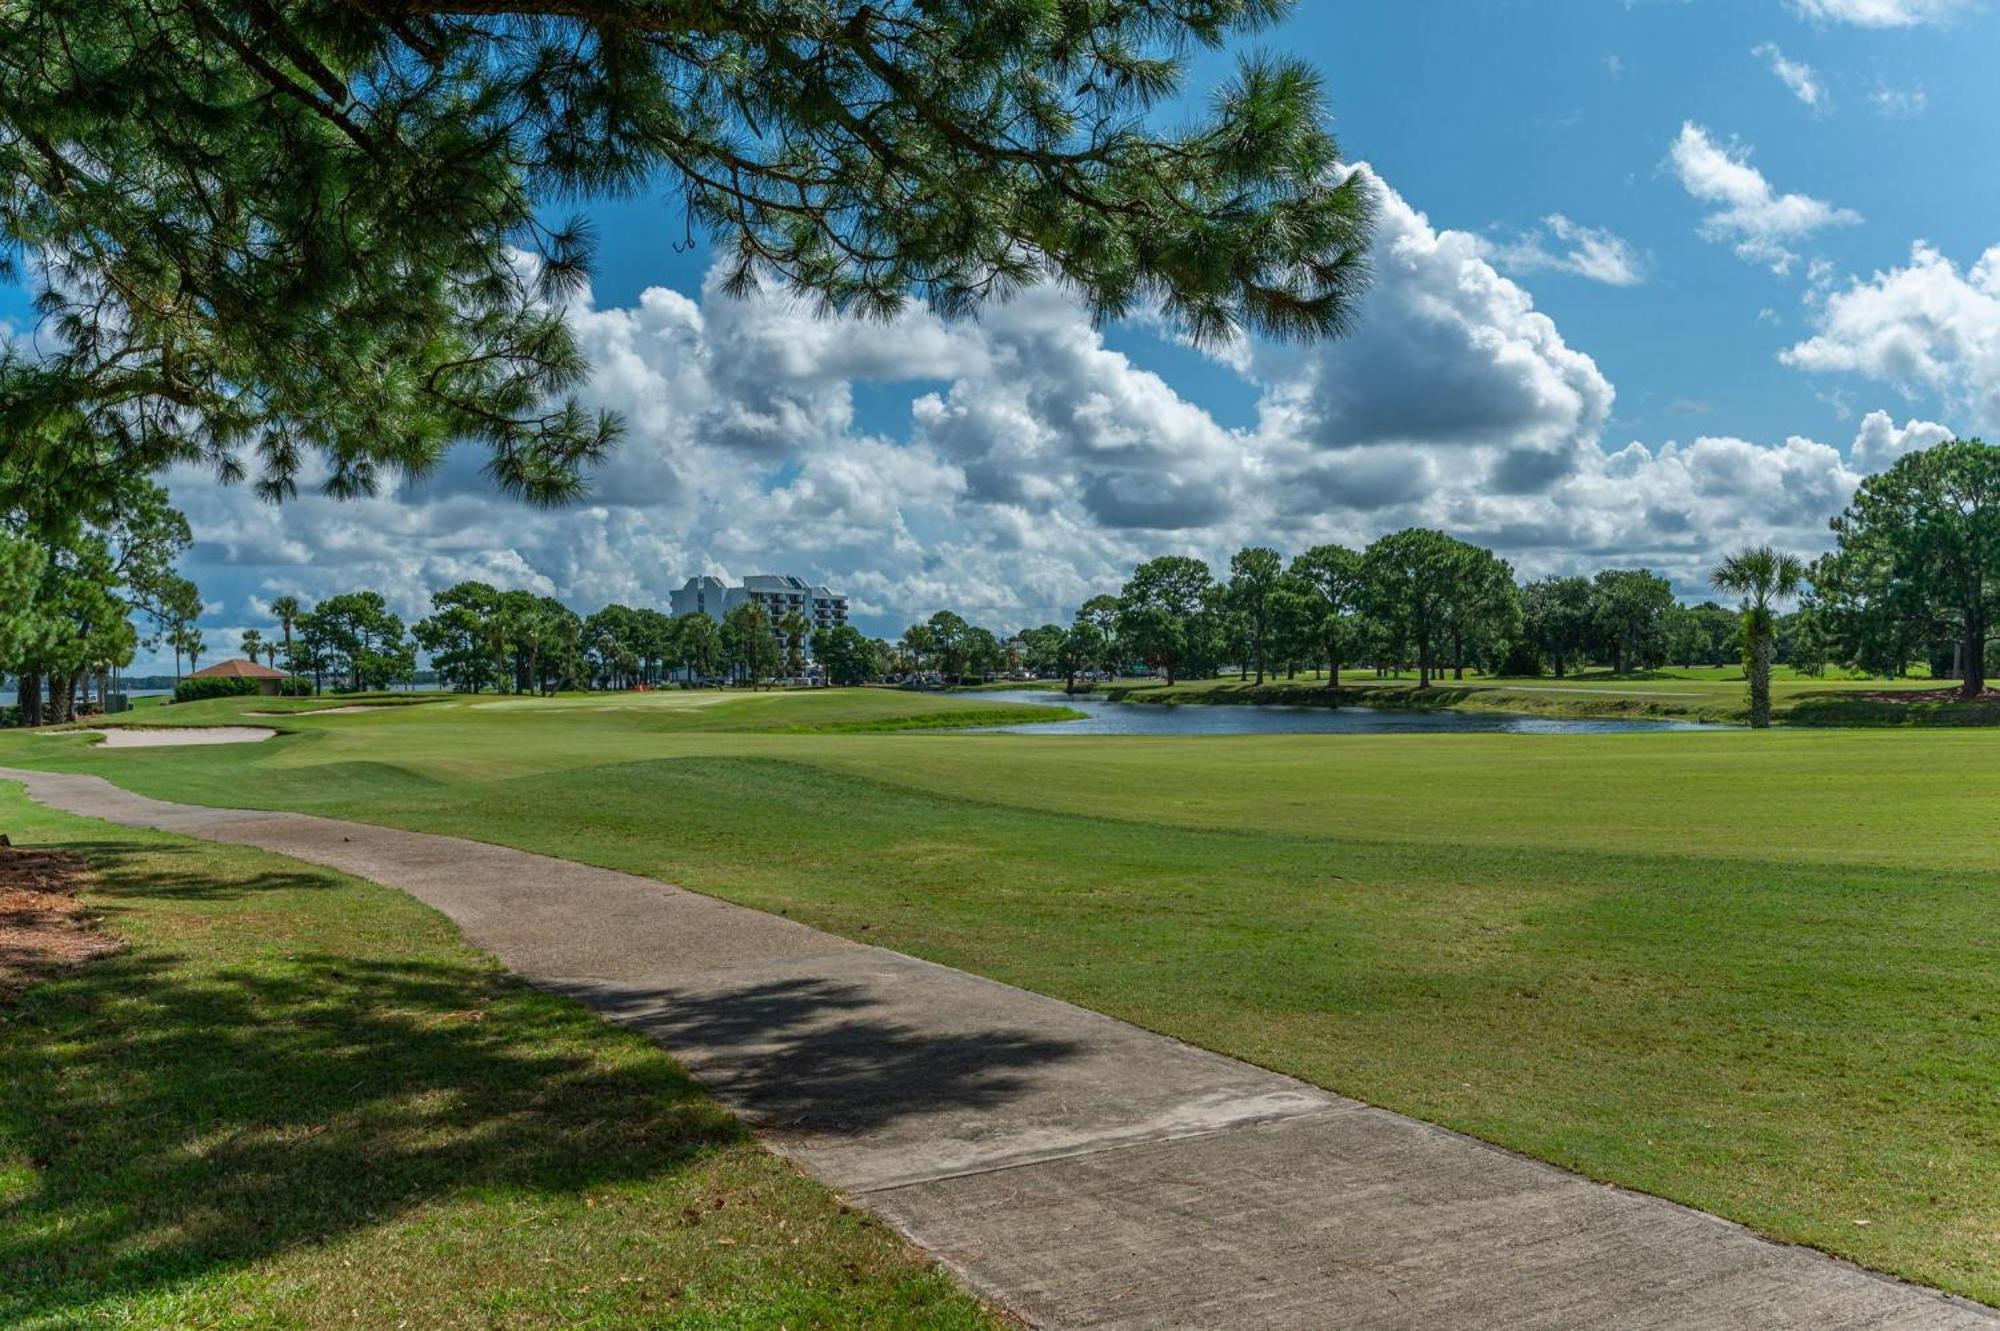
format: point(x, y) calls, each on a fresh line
point(302, 239)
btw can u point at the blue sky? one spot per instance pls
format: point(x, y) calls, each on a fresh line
point(1647, 287)
point(1491, 114)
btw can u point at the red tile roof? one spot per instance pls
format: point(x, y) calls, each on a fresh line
point(237, 670)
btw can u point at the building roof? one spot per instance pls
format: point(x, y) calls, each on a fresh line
point(238, 669)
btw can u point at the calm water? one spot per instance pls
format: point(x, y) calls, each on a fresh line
point(1114, 718)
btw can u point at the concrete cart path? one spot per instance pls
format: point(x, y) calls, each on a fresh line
point(1073, 1168)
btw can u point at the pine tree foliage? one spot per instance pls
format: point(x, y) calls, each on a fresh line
point(318, 239)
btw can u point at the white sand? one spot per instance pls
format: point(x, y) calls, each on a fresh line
point(135, 738)
point(340, 711)
point(674, 700)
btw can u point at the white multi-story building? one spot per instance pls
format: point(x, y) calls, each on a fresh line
point(778, 593)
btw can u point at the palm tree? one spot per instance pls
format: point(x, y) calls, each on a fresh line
point(795, 627)
point(286, 610)
point(1760, 575)
point(253, 643)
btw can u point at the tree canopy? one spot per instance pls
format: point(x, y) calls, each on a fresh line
point(1160, 610)
point(1918, 555)
point(267, 233)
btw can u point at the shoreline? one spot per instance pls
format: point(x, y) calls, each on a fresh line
point(1864, 706)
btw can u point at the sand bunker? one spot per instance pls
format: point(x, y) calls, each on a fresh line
point(621, 702)
point(345, 710)
point(134, 738)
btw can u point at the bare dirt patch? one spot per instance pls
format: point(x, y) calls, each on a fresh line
point(1929, 696)
point(43, 927)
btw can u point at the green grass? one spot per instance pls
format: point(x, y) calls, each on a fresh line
point(1757, 973)
point(297, 1100)
point(1699, 694)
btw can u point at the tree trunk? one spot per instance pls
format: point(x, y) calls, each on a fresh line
point(1760, 682)
point(28, 698)
point(1972, 657)
point(1458, 656)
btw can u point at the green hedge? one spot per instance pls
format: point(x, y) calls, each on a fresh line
point(195, 690)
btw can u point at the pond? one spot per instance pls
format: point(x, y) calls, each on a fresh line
point(1103, 717)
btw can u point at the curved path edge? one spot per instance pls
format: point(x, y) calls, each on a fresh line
point(1071, 1167)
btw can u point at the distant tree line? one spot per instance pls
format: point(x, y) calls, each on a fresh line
point(479, 638)
point(1913, 580)
point(1416, 600)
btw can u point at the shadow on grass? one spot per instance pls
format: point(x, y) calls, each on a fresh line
point(193, 877)
point(1837, 709)
point(803, 1054)
point(178, 1120)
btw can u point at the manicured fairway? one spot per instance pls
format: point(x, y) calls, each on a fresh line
point(297, 1100)
point(1759, 973)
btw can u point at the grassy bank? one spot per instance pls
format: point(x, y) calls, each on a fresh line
point(1702, 694)
point(295, 1099)
point(1753, 972)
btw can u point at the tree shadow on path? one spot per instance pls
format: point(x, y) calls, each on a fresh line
point(806, 1053)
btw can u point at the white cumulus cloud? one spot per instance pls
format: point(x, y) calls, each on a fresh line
point(1883, 13)
point(1023, 462)
point(1749, 213)
point(1926, 329)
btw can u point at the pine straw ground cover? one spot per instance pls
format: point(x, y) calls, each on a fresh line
point(43, 926)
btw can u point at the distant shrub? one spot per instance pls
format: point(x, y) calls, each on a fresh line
point(196, 690)
point(295, 688)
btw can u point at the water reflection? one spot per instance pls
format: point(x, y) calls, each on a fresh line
point(1113, 718)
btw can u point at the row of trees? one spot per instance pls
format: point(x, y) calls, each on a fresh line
point(1416, 599)
point(478, 637)
point(1914, 578)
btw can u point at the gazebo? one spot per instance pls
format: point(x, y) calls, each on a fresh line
point(268, 681)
